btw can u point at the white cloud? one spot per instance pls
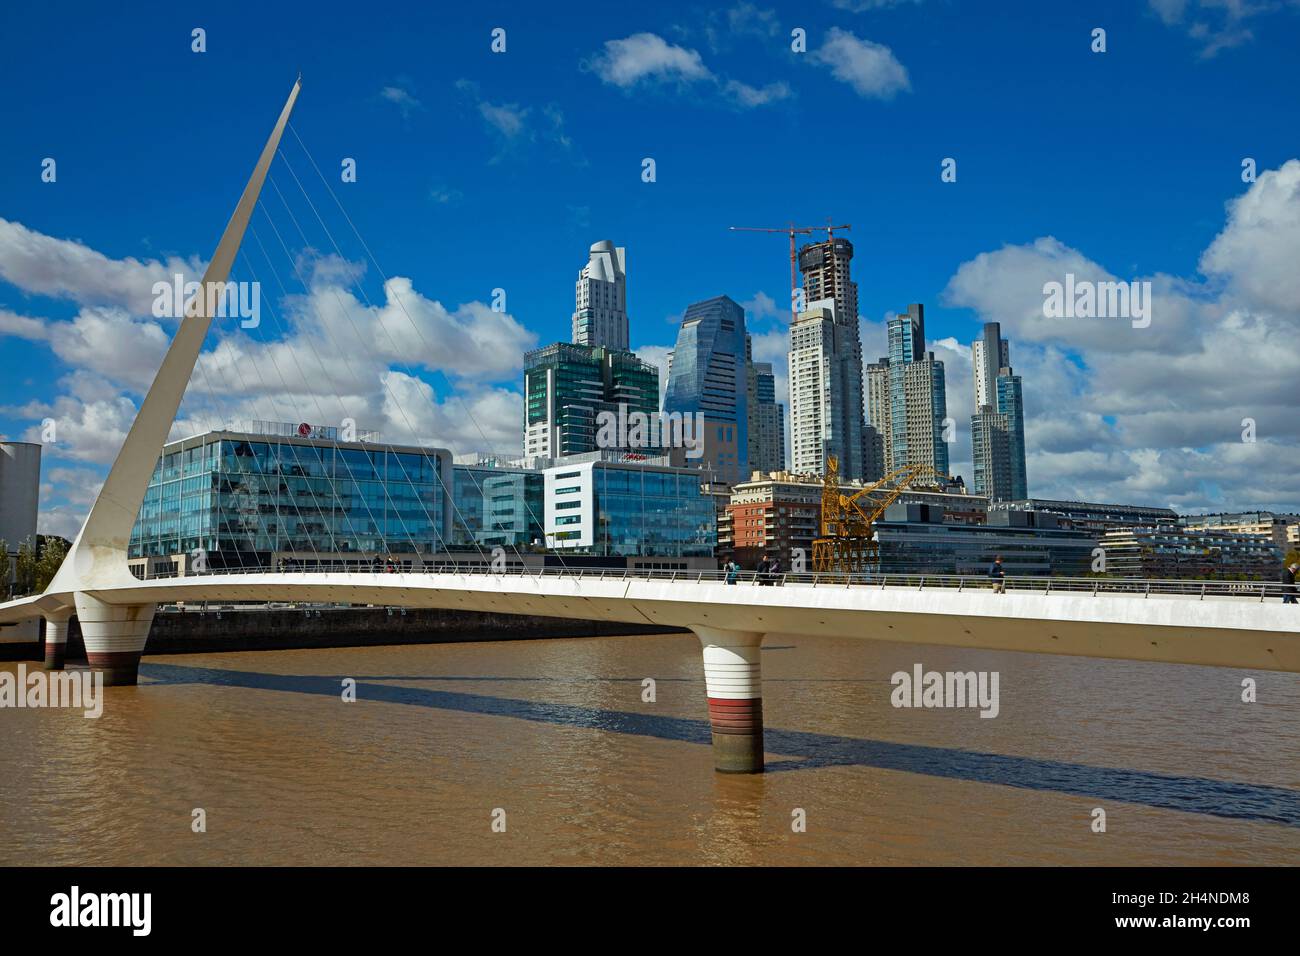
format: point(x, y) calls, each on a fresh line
point(514, 126)
point(506, 118)
point(750, 96)
point(645, 59)
point(86, 431)
point(490, 420)
point(1170, 11)
point(320, 356)
point(1155, 415)
point(722, 27)
point(648, 56)
point(22, 326)
point(763, 306)
point(66, 496)
point(657, 355)
point(862, 6)
point(110, 343)
point(774, 347)
point(402, 99)
point(1218, 25)
point(870, 68)
point(1258, 248)
point(68, 269)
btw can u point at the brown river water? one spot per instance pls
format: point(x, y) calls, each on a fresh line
point(555, 735)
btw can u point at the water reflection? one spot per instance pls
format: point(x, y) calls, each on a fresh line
point(556, 733)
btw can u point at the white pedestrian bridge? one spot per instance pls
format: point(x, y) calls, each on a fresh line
point(1219, 624)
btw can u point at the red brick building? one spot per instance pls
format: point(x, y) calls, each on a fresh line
point(779, 514)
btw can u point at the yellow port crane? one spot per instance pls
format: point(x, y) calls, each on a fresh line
point(847, 544)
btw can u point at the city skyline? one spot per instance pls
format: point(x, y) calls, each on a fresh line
point(1106, 420)
point(454, 519)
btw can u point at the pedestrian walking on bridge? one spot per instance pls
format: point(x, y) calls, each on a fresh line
point(998, 576)
point(733, 571)
point(1287, 578)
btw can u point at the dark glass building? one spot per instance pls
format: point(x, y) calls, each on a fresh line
point(914, 539)
point(709, 378)
point(567, 387)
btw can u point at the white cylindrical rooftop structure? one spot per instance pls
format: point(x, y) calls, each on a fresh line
point(20, 491)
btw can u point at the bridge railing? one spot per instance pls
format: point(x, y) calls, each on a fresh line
point(1135, 587)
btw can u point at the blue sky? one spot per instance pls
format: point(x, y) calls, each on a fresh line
point(479, 171)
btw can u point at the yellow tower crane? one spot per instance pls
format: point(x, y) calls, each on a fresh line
point(847, 544)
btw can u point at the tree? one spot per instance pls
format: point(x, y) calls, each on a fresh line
point(52, 555)
point(1292, 557)
point(25, 578)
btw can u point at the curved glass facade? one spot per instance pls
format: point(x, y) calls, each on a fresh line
point(242, 497)
point(709, 378)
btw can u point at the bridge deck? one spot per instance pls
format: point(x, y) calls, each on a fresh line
point(1129, 620)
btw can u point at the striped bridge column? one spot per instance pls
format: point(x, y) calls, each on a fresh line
point(56, 639)
point(115, 636)
point(733, 676)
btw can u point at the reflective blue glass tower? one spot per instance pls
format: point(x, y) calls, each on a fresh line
point(708, 377)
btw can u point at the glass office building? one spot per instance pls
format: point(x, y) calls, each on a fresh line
point(243, 497)
point(914, 539)
point(909, 404)
point(601, 505)
point(496, 504)
point(709, 379)
point(567, 387)
point(1011, 404)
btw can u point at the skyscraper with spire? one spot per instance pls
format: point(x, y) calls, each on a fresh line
point(998, 425)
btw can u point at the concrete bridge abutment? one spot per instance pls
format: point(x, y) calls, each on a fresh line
point(733, 676)
point(115, 636)
point(56, 639)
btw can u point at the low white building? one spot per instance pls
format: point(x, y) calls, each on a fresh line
point(610, 503)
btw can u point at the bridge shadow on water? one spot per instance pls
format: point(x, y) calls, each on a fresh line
point(1238, 801)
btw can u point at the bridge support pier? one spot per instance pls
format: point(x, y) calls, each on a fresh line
point(115, 636)
point(734, 681)
point(56, 639)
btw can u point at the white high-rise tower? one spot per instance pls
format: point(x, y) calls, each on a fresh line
point(600, 299)
point(826, 406)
